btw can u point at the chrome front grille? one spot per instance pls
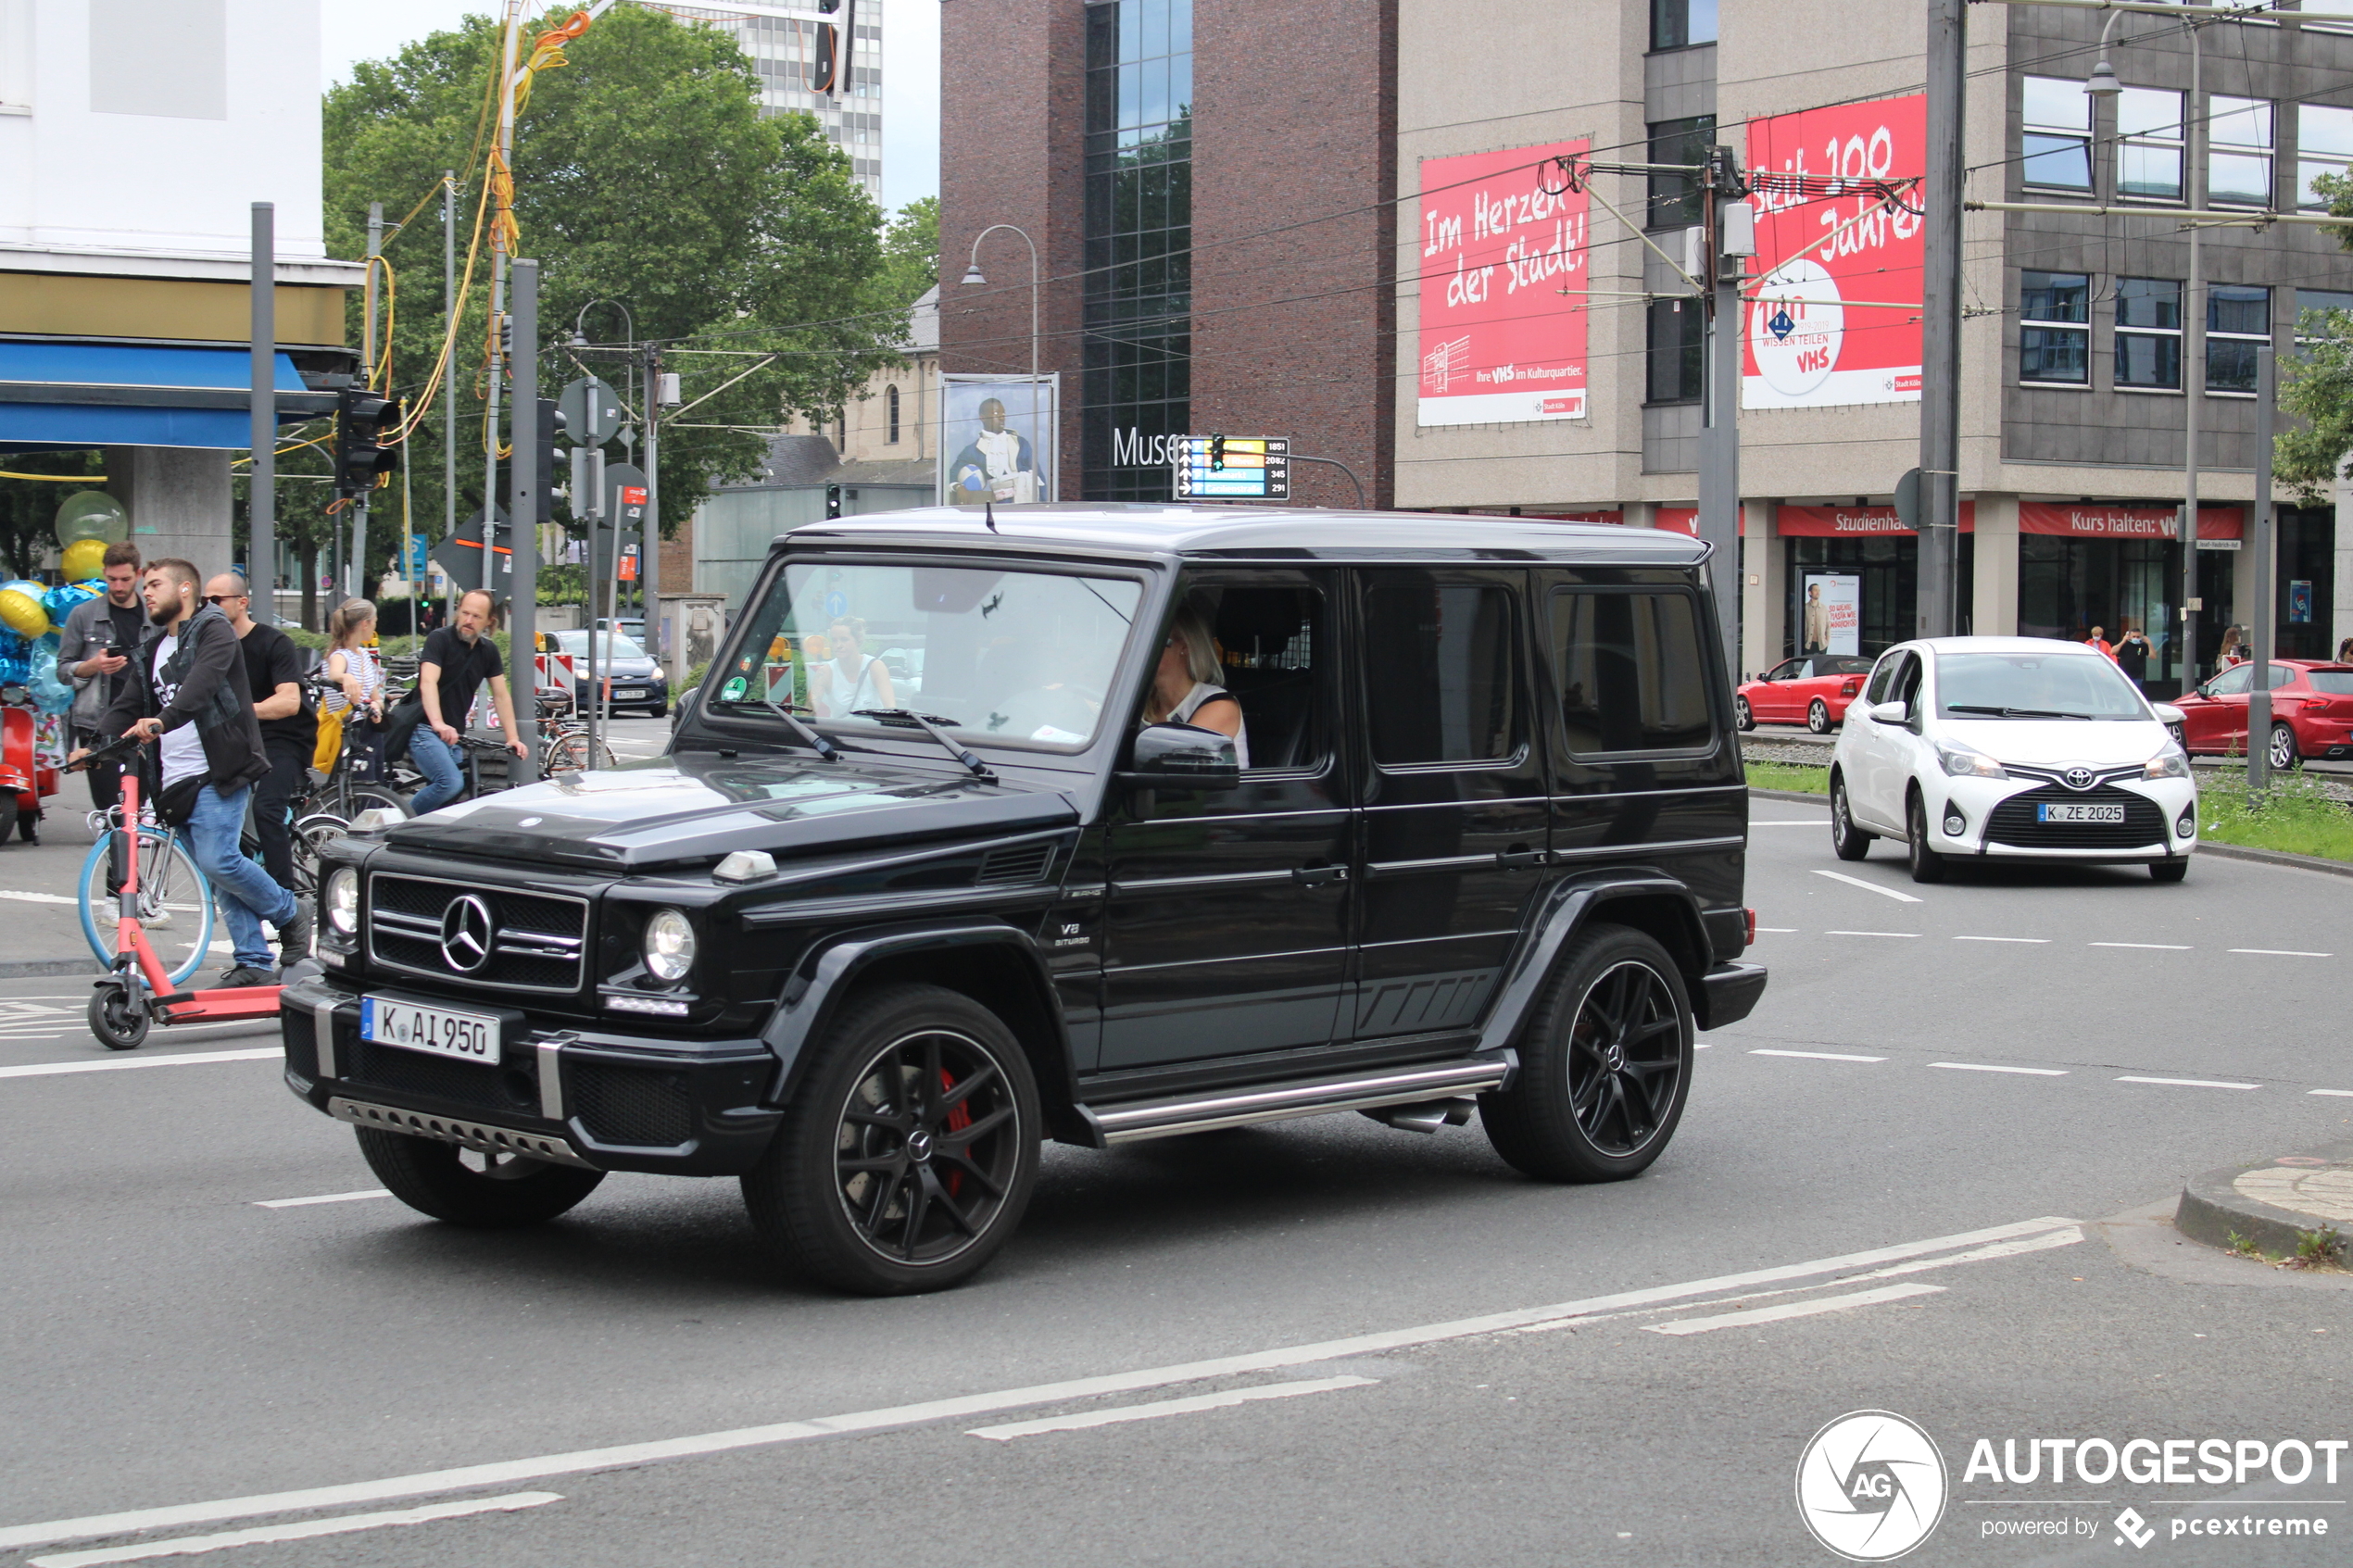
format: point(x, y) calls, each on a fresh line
point(528, 941)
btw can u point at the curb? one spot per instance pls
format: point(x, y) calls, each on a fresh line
point(45, 969)
point(2276, 858)
point(1821, 800)
point(2213, 1206)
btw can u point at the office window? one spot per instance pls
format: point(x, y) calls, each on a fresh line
point(2238, 321)
point(2238, 151)
point(2057, 148)
point(2323, 146)
point(890, 412)
point(2149, 147)
point(2311, 300)
point(1675, 198)
point(2055, 339)
point(2148, 332)
point(1675, 23)
point(1676, 331)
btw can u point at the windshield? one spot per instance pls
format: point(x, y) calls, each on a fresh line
point(609, 645)
point(2035, 685)
point(996, 656)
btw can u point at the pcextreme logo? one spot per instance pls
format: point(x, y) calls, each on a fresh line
point(1871, 1485)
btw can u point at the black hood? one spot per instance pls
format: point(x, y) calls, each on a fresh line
point(669, 810)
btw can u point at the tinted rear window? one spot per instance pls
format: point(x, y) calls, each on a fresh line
point(1629, 670)
point(2335, 682)
point(1440, 668)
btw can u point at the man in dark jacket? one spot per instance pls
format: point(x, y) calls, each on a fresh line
point(187, 686)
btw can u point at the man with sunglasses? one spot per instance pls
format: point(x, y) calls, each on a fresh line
point(273, 669)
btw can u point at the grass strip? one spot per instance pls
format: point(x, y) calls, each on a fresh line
point(1796, 776)
point(2296, 817)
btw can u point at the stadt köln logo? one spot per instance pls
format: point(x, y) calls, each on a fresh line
point(1871, 1485)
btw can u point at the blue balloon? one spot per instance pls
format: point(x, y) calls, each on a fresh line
point(49, 694)
point(59, 601)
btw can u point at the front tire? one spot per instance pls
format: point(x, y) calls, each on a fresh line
point(1927, 865)
point(1847, 841)
point(907, 1156)
point(2283, 752)
point(482, 1191)
point(1606, 1064)
point(1818, 717)
point(118, 1023)
point(2174, 869)
point(1743, 719)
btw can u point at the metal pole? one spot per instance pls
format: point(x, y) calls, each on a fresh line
point(1720, 436)
point(449, 382)
point(1941, 319)
point(522, 507)
point(263, 502)
point(2261, 540)
point(2193, 377)
point(651, 562)
point(368, 357)
point(497, 306)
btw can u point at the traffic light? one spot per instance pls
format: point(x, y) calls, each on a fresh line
point(832, 500)
point(1216, 454)
point(367, 441)
point(551, 425)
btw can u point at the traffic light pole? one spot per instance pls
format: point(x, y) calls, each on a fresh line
point(357, 588)
point(1720, 436)
point(1940, 532)
point(449, 386)
point(649, 536)
point(522, 507)
point(261, 507)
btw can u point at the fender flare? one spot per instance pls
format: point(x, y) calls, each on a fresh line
point(1565, 909)
point(830, 970)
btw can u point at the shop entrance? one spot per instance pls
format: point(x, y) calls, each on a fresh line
point(2306, 609)
point(2068, 586)
point(1888, 567)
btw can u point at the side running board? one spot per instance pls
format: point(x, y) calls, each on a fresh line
point(1133, 1121)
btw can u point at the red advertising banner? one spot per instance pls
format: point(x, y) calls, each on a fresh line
point(2089, 521)
point(1685, 519)
point(1503, 289)
point(1846, 523)
point(1820, 332)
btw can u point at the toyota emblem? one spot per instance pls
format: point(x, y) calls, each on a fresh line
point(2079, 778)
point(466, 933)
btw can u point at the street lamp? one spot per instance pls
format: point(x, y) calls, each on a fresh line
point(2102, 83)
point(973, 276)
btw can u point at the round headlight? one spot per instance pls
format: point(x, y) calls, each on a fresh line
point(342, 901)
point(670, 946)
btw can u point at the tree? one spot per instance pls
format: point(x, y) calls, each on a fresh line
point(2316, 383)
point(910, 252)
point(643, 175)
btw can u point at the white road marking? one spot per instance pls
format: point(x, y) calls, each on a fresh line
point(619, 1456)
point(2151, 946)
point(185, 1058)
point(1989, 1067)
point(1867, 886)
point(1819, 1056)
point(324, 1198)
point(2037, 941)
point(2281, 953)
point(1903, 933)
point(1777, 929)
point(2190, 1083)
point(36, 898)
point(2342, 1094)
point(1787, 1310)
point(189, 1546)
point(1793, 823)
point(1013, 1429)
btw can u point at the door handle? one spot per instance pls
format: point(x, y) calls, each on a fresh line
point(1521, 859)
point(1313, 876)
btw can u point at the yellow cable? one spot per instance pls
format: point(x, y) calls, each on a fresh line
point(59, 477)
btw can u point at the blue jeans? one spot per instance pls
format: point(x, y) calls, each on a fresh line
point(242, 891)
point(438, 761)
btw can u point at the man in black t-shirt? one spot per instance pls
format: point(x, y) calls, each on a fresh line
point(454, 664)
point(289, 727)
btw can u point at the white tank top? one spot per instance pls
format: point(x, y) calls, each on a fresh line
point(1203, 692)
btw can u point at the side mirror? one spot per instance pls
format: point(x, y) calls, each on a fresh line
point(1182, 757)
point(1892, 713)
point(2167, 713)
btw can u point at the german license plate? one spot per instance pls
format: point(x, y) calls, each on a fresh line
point(2074, 811)
point(629, 691)
point(469, 1037)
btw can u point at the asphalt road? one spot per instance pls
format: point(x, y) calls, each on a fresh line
point(1919, 1180)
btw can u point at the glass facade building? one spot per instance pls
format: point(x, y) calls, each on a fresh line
point(1135, 386)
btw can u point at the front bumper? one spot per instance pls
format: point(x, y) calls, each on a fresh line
point(1977, 798)
point(591, 1098)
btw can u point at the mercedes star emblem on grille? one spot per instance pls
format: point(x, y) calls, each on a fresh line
point(2079, 778)
point(466, 933)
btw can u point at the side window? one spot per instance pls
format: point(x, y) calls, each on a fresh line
point(1441, 670)
point(2233, 682)
point(1907, 686)
point(1631, 670)
point(1273, 655)
point(1881, 678)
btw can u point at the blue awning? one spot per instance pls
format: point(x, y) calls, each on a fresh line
point(129, 394)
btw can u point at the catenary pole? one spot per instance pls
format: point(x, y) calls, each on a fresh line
point(1720, 436)
point(650, 537)
point(1941, 320)
point(2193, 373)
point(522, 508)
point(358, 586)
point(2260, 540)
point(500, 188)
point(263, 490)
point(449, 382)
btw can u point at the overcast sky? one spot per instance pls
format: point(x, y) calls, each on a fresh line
point(369, 30)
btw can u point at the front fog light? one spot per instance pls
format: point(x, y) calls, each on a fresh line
point(1954, 823)
point(342, 901)
point(670, 946)
point(2186, 824)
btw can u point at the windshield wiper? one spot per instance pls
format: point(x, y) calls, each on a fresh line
point(929, 724)
point(2013, 712)
point(817, 743)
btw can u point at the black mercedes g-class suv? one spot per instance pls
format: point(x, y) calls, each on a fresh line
point(866, 937)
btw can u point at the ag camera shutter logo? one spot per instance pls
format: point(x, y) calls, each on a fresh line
point(1871, 1485)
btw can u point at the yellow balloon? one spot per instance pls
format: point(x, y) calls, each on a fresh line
point(84, 558)
point(22, 614)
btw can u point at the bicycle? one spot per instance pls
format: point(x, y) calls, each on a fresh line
point(171, 885)
point(326, 809)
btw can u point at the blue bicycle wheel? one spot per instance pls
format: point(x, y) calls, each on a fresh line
point(175, 904)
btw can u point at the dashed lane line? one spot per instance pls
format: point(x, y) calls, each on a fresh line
point(323, 1198)
point(2340, 1094)
point(309, 1529)
point(2151, 946)
point(1908, 934)
point(2281, 953)
point(22, 898)
point(1865, 886)
point(2032, 941)
point(1159, 1407)
point(185, 1058)
point(1780, 1312)
point(1990, 1067)
point(2189, 1082)
point(1819, 1056)
point(1794, 822)
point(620, 1456)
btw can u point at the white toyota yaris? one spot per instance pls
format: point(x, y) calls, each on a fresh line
point(2010, 748)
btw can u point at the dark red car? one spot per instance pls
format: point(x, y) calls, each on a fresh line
point(2312, 712)
point(1815, 688)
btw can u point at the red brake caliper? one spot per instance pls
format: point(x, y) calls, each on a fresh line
point(959, 1118)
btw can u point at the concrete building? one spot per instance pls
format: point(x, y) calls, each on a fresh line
point(783, 46)
point(134, 137)
point(1300, 219)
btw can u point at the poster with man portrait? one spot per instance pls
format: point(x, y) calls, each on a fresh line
point(998, 439)
point(1832, 608)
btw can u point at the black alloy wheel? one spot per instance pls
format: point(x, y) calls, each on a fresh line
point(907, 1153)
point(1926, 863)
point(1605, 1064)
point(2284, 753)
point(1741, 718)
point(1847, 841)
point(1818, 717)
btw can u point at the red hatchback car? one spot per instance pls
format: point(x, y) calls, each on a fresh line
point(1815, 688)
point(2312, 712)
